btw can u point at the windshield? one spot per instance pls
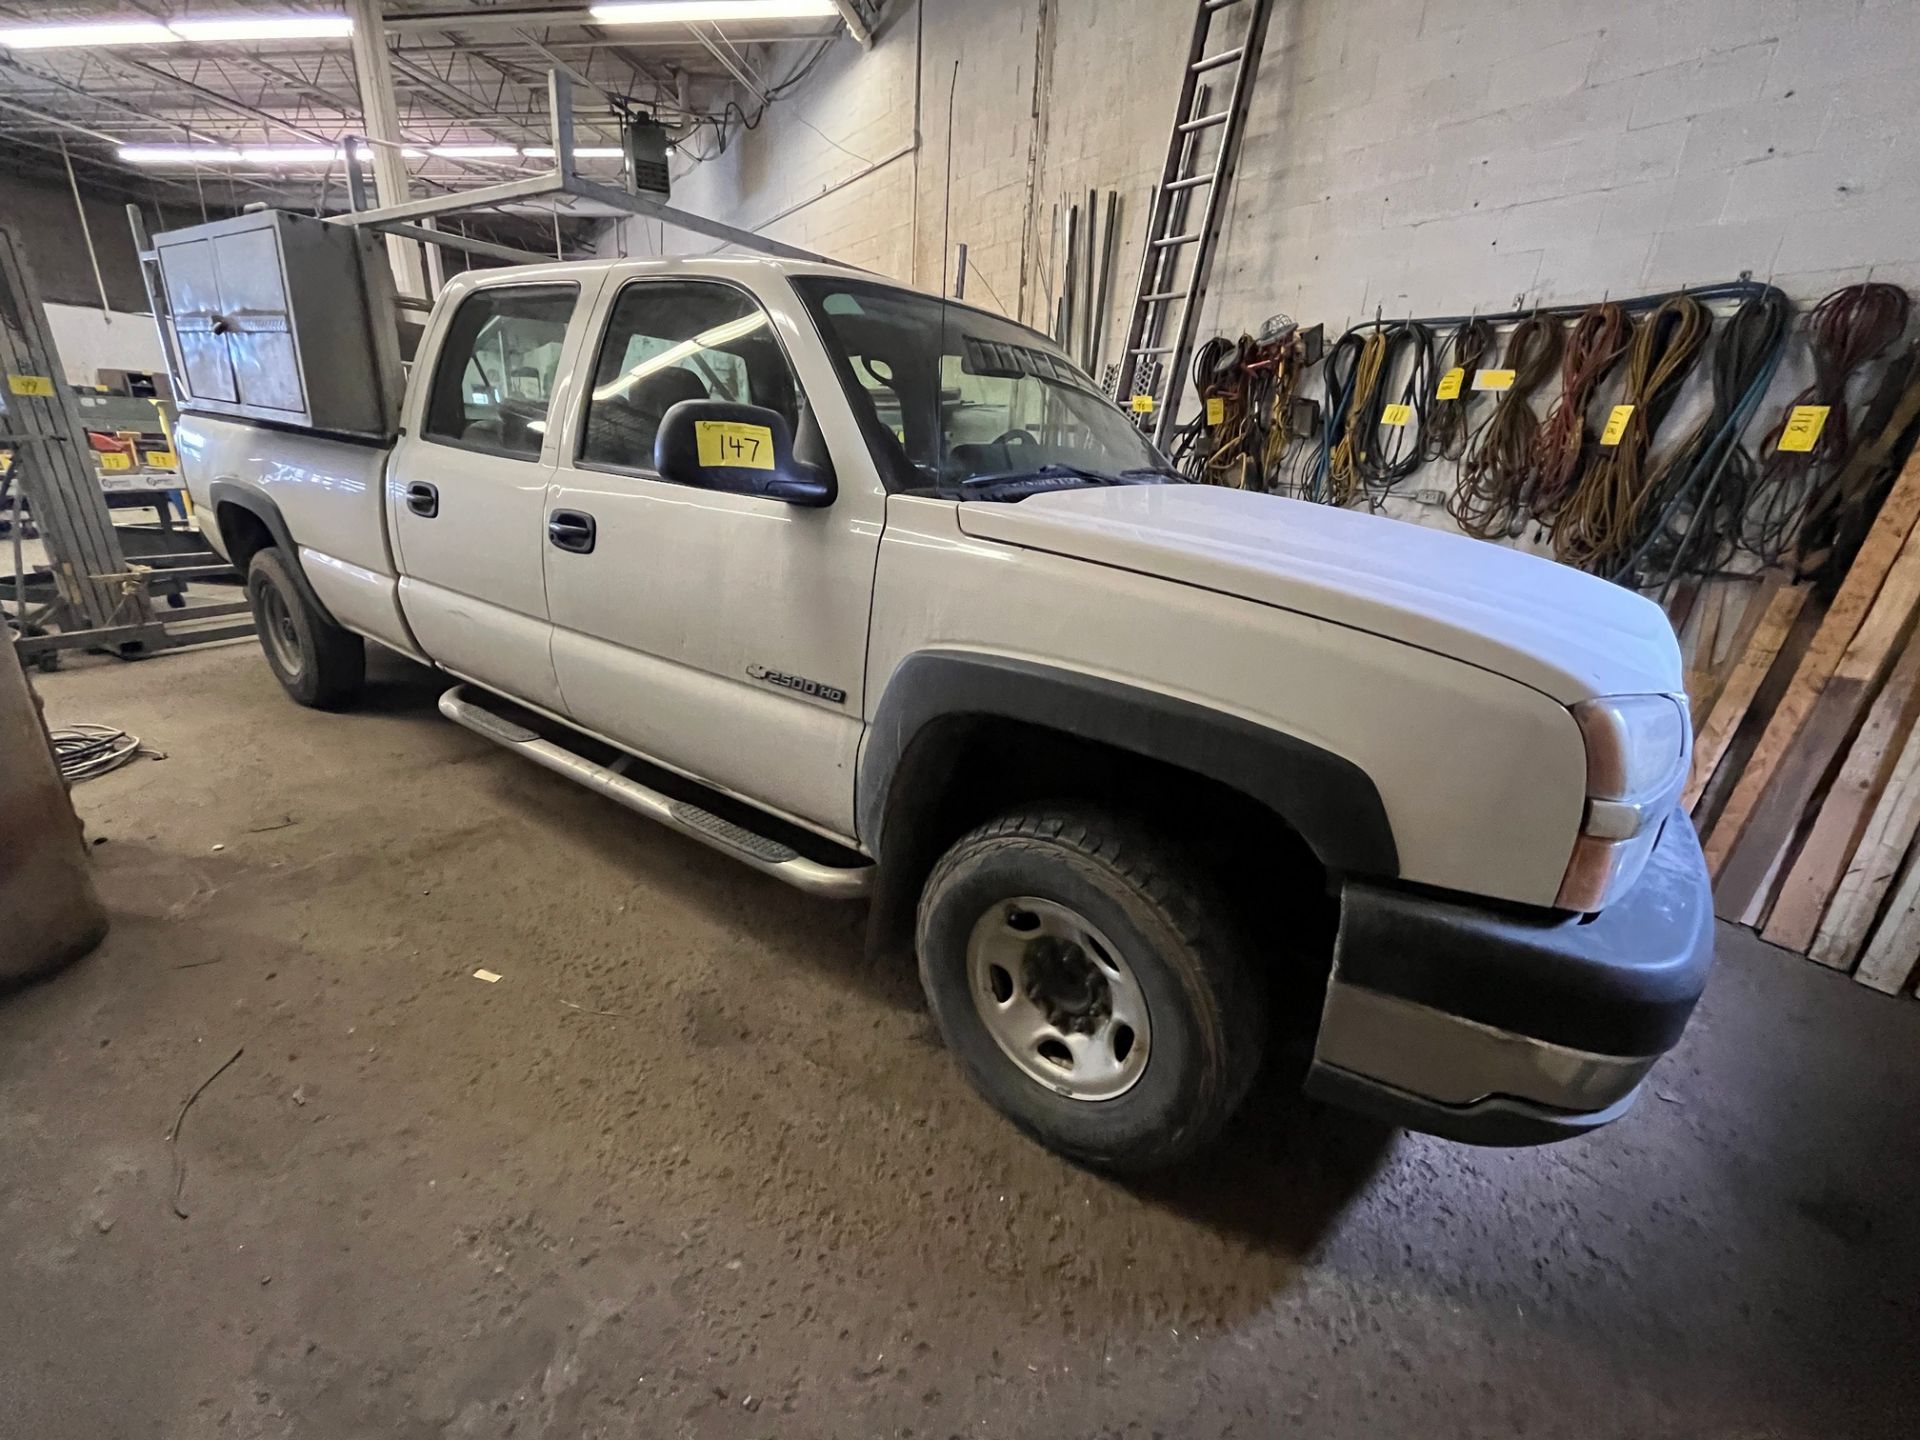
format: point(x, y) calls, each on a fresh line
point(959, 403)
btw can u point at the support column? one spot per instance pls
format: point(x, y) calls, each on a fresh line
point(382, 114)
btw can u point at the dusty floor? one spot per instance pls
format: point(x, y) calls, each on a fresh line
point(693, 1168)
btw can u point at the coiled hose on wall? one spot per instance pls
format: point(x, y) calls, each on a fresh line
point(1494, 472)
point(1597, 523)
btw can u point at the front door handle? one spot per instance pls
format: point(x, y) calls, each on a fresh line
point(572, 530)
point(423, 499)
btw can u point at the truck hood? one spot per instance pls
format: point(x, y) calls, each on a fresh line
point(1566, 633)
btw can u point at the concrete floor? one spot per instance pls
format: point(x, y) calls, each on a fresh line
point(694, 1168)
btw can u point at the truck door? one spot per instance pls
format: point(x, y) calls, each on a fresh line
point(722, 635)
point(467, 484)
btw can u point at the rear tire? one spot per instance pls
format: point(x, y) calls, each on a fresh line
point(316, 662)
point(1094, 985)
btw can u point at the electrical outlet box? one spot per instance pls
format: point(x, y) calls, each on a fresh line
point(1304, 422)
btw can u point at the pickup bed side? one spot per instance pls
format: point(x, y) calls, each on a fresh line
point(318, 499)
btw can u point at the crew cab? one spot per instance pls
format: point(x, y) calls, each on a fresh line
point(879, 594)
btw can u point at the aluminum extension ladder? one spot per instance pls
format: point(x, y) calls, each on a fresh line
point(1179, 248)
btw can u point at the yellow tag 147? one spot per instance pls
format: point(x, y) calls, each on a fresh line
point(1142, 404)
point(1804, 424)
point(1216, 410)
point(112, 460)
point(1617, 419)
point(733, 445)
point(1395, 414)
point(161, 459)
point(30, 384)
point(1493, 379)
point(1450, 384)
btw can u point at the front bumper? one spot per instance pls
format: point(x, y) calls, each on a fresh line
point(1512, 1028)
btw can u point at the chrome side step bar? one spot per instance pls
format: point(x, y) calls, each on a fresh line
point(833, 882)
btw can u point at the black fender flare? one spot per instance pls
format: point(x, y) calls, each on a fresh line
point(1332, 803)
point(262, 508)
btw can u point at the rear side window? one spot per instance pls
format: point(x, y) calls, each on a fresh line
point(669, 341)
point(494, 378)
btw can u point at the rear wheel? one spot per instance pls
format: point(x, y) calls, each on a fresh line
point(1093, 984)
point(317, 663)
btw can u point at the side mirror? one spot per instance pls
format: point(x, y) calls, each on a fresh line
point(739, 449)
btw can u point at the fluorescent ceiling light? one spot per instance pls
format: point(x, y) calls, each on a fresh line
point(289, 154)
point(228, 155)
point(98, 32)
point(474, 152)
point(94, 33)
point(267, 27)
point(582, 152)
point(178, 155)
point(670, 12)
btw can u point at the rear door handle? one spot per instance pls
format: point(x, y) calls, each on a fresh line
point(423, 499)
point(572, 530)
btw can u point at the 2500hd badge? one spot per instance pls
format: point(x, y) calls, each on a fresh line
point(798, 682)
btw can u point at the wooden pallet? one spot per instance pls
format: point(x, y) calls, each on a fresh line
point(1769, 620)
point(1889, 963)
point(1747, 841)
point(1887, 839)
point(1749, 867)
point(1837, 830)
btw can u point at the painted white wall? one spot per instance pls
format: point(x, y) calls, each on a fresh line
point(91, 340)
point(1425, 155)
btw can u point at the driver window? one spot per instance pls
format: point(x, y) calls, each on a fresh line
point(494, 379)
point(669, 341)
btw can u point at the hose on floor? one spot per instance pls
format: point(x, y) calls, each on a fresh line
point(84, 752)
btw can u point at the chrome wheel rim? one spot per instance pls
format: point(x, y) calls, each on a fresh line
point(1058, 998)
point(276, 624)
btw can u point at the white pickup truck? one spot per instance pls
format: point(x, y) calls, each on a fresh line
point(881, 596)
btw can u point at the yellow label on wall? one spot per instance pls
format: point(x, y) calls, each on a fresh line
point(1617, 419)
point(113, 460)
point(733, 445)
point(160, 459)
point(1804, 424)
point(30, 385)
point(1450, 384)
point(1143, 404)
point(1493, 379)
point(1395, 414)
point(1216, 410)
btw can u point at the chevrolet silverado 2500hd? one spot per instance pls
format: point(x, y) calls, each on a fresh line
point(880, 595)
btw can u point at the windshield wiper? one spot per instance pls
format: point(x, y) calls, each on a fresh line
point(1058, 474)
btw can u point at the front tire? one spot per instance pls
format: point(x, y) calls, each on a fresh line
point(1093, 984)
point(316, 662)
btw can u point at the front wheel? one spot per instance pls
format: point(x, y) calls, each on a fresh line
point(317, 663)
point(1093, 984)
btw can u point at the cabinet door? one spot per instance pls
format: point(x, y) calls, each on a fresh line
point(193, 287)
point(259, 334)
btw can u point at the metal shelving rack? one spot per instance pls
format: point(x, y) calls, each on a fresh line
point(94, 598)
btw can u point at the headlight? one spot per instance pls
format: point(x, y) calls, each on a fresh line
point(1638, 747)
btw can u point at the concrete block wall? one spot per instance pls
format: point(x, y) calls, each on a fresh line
point(1423, 157)
point(1431, 155)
